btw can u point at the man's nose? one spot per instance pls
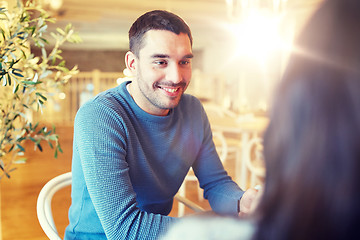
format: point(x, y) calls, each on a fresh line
point(174, 74)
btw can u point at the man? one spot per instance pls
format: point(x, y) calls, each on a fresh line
point(134, 144)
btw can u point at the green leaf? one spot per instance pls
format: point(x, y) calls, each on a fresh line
point(53, 137)
point(62, 63)
point(43, 52)
point(8, 79)
point(16, 116)
point(42, 130)
point(2, 165)
point(11, 148)
point(22, 51)
point(17, 96)
point(20, 139)
point(59, 30)
point(60, 150)
point(3, 33)
point(31, 82)
point(68, 27)
point(40, 147)
point(42, 96)
point(31, 29)
point(44, 40)
point(13, 62)
point(16, 73)
point(20, 147)
point(6, 174)
point(16, 88)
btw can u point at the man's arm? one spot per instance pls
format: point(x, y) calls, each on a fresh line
point(221, 191)
point(101, 144)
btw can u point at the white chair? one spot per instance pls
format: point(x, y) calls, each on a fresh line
point(43, 207)
point(254, 161)
point(44, 210)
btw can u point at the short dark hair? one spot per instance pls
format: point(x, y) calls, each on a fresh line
point(155, 20)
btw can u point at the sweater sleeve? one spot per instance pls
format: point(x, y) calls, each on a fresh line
point(101, 145)
point(221, 191)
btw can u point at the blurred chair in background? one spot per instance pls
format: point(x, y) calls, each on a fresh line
point(222, 149)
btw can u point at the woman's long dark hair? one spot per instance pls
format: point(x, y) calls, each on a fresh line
point(312, 145)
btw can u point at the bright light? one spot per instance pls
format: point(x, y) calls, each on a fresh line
point(62, 95)
point(258, 36)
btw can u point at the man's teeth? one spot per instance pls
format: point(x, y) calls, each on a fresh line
point(170, 90)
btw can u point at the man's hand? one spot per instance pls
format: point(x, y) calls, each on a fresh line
point(249, 201)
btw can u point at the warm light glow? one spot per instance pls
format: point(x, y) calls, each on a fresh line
point(62, 95)
point(258, 36)
point(53, 4)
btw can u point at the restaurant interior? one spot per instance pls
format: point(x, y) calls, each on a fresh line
point(240, 51)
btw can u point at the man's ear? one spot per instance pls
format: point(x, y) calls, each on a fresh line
point(130, 62)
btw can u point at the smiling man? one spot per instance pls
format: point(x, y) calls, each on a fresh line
point(134, 144)
point(162, 69)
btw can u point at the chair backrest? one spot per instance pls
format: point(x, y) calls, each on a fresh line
point(44, 210)
point(255, 160)
point(221, 145)
point(43, 207)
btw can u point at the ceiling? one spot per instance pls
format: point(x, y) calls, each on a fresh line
point(105, 23)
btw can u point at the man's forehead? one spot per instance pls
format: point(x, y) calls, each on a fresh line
point(163, 42)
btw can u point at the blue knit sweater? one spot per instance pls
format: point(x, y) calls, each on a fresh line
point(128, 165)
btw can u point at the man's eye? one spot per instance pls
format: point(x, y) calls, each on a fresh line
point(184, 62)
point(160, 62)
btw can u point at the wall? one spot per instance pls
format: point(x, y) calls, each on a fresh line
point(105, 60)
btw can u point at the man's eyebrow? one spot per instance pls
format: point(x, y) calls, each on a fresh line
point(160, 56)
point(167, 56)
point(189, 55)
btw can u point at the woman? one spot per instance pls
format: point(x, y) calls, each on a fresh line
point(312, 145)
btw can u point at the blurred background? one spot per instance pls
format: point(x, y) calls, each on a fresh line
point(240, 46)
point(241, 49)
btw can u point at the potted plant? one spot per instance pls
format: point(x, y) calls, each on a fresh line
point(28, 81)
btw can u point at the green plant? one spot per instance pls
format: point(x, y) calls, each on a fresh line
point(28, 81)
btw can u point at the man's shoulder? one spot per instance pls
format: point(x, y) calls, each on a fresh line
point(109, 97)
point(190, 100)
point(108, 101)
